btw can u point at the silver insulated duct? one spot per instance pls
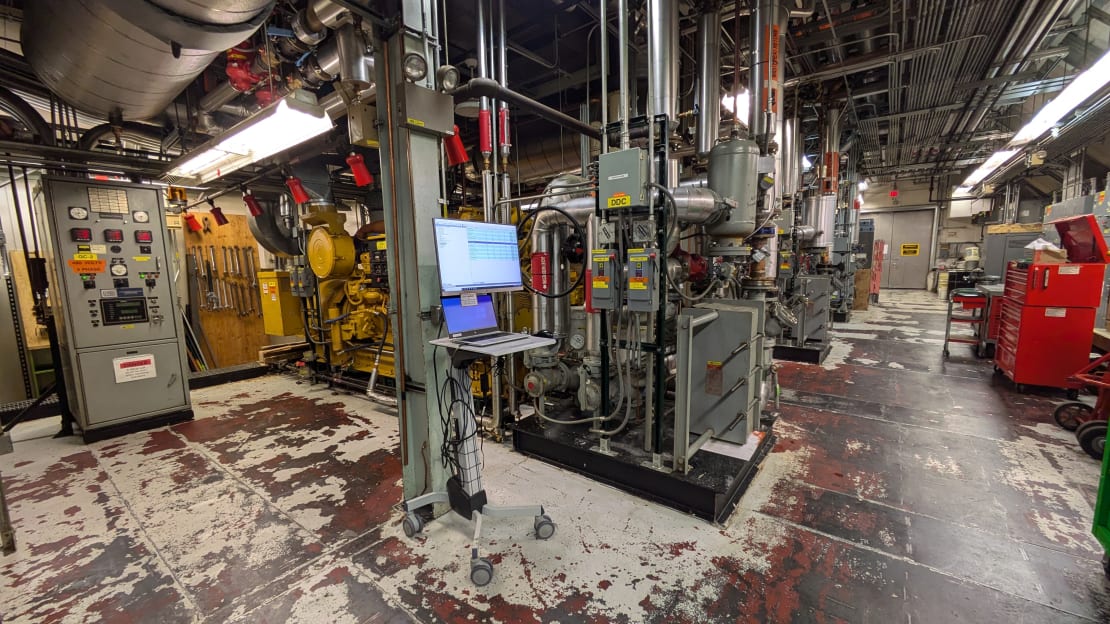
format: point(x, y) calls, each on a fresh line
point(709, 77)
point(131, 57)
point(663, 38)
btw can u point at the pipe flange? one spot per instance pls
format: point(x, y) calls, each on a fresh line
point(304, 32)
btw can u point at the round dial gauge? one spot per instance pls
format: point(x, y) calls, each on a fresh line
point(577, 341)
point(141, 216)
point(77, 212)
point(119, 270)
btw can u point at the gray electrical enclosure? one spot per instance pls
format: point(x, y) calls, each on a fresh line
point(622, 176)
point(605, 280)
point(113, 296)
point(642, 293)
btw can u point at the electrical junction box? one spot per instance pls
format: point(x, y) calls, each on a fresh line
point(605, 280)
point(281, 310)
point(643, 288)
point(621, 178)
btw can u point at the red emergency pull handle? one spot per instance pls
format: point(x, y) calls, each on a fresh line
point(1033, 282)
point(1047, 271)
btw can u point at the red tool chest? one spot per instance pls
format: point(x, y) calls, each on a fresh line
point(1048, 309)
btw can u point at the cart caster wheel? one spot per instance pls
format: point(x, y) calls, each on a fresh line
point(545, 528)
point(1072, 414)
point(1073, 395)
point(997, 370)
point(1092, 437)
point(481, 572)
point(412, 525)
point(1020, 388)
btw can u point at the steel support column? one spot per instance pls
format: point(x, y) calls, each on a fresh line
point(412, 201)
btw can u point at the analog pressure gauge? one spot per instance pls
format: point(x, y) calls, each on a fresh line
point(141, 216)
point(577, 341)
point(77, 212)
point(119, 270)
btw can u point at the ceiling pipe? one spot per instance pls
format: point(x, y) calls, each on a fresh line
point(484, 87)
point(709, 70)
point(92, 136)
point(28, 115)
point(1051, 10)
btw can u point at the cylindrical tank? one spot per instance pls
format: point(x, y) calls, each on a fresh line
point(131, 57)
point(733, 174)
point(820, 214)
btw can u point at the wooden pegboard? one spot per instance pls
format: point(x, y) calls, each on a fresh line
point(234, 331)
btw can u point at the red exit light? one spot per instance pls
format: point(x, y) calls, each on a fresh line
point(894, 193)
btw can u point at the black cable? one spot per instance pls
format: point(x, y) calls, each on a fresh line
point(577, 230)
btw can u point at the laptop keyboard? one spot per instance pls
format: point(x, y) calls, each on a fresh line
point(485, 337)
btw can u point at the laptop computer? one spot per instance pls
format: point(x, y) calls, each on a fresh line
point(475, 324)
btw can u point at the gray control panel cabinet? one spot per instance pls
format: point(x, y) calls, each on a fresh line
point(112, 291)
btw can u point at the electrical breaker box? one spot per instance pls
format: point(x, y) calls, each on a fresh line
point(281, 310)
point(605, 280)
point(643, 289)
point(115, 305)
point(622, 176)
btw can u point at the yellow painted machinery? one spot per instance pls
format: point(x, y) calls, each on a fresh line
point(349, 316)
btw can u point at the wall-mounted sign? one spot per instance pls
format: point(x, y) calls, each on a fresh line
point(911, 249)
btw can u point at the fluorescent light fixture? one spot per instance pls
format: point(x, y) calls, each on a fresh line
point(863, 185)
point(289, 122)
point(728, 103)
point(994, 162)
point(962, 191)
point(807, 164)
point(1084, 86)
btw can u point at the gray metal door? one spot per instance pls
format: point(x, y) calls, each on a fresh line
point(909, 238)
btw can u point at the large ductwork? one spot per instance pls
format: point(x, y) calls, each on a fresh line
point(131, 58)
point(709, 77)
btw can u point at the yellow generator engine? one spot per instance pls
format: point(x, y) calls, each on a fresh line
point(350, 325)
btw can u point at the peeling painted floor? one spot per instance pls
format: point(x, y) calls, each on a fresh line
point(903, 488)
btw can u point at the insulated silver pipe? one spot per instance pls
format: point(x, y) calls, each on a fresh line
point(604, 73)
point(503, 49)
point(560, 308)
point(709, 78)
point(663, 39)
point(790, 147)
point(545, 228)
point(769, 17)
point(622, 44)
point(483, 50)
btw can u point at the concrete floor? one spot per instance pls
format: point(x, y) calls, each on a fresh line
point(903, 488)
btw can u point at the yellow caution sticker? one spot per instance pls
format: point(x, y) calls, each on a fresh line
point(141, 258)
point(637, 283)
point(81, 255)
point(380, 246)
point(600, 281)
